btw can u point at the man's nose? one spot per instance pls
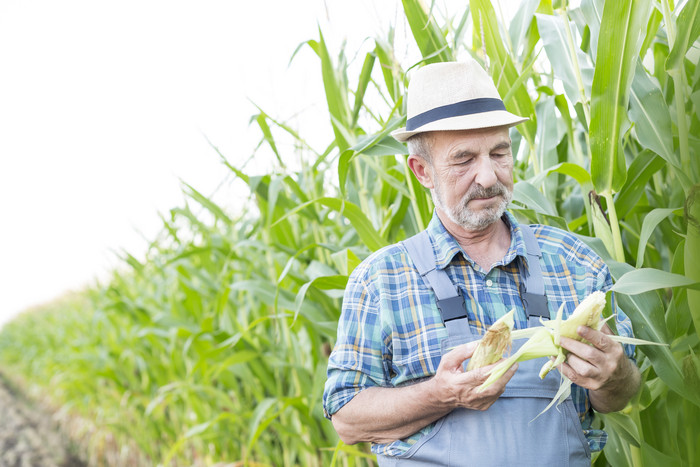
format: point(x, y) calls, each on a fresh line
point(485, 172)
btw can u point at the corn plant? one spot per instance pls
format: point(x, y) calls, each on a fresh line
point(214, 347)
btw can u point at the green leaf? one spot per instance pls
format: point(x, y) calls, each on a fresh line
point(365, 77)
point(380, 144)
point(688, 30)
point(653, 456)
point(261, 120)
point(651, 220)
point(567, 62)
point(337, 282)
point(651, 117)
point(601, 226)
point(208, 204)
point(430, 40)
point(338, 106)
point(526, 193)
point(692, 251)
point(548, 138)
point(502, 69)
point(643, 167)
point(623, 21)
point(593, 14)
point(678, 316)
point(346, 261)
point(624, 426)
point(354, 214)
point(389, 66)
point(646, 312)
point(257, 425)
point(574, 171)
point(646, 279)
point(522, 21)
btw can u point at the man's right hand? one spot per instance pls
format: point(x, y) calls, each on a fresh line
point(382, 415)
point(458, 388)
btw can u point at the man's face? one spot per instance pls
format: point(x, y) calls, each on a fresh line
point(472, 174)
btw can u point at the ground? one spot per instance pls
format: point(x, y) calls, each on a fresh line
point(28, 435)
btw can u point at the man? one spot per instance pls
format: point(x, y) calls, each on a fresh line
point(396, 375)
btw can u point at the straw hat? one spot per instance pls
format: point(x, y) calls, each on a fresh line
point(453, 96)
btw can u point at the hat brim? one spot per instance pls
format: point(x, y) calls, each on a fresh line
point(463, 122)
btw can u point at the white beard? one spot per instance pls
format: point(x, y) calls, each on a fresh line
point(463, 216)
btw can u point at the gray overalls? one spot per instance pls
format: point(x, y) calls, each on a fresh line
point(504, 434)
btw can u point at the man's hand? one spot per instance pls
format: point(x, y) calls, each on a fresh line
point(603, 368)
point(457, 388)
point(383, 415)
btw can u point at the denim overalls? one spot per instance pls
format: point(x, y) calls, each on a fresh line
point(506, 433)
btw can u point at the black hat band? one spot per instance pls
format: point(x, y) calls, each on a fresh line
point(468, 107)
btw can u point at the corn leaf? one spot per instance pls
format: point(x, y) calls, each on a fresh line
point(688, 28)
point(651, 117)
point(569, 63)
point(646, 312)
point(651, 220)
point(502, 69)
point(619, 33)
point(692, 251)
point(427, 34)
point(644, 280)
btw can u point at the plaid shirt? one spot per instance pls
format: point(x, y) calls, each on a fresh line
point(390, 329)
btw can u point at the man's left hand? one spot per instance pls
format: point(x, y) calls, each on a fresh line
point(602, 367)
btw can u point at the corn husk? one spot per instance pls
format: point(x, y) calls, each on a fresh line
point(544, 341)
point(587, 313)
point(495, 342)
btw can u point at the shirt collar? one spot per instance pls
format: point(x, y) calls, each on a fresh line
point(445, 247)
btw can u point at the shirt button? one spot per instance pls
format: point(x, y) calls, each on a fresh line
point(489, 283)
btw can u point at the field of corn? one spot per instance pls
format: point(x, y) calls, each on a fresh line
point(213, 348)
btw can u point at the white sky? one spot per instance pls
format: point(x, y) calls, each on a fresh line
point(103, 110)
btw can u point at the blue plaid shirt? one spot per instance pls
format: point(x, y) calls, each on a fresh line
point(390, 329)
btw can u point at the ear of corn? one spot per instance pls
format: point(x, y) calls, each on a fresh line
point(587, 313)
point(544, 341)
point(495, 342)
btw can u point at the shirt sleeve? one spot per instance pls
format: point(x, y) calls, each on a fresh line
point(357, 359)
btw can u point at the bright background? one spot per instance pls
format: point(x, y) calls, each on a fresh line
point(106, 106)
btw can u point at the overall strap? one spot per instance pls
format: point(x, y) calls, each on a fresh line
point(450, 302)
point(532, 291)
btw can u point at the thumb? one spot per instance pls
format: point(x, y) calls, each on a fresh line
point(455, 357)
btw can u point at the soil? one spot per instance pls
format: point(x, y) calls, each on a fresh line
point(28, 435)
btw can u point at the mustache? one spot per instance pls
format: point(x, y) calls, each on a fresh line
point(478, 191)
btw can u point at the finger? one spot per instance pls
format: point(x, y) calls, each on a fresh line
point(597, 338)
point(482, 374)
point(605, 329)
point(479, 375)
point(581, 366)
point(455, 357)
point(566, 370)
point(574, 346)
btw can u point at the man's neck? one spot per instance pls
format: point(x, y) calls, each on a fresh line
point(485, 247)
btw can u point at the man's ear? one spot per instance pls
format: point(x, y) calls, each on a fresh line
point(422, 170)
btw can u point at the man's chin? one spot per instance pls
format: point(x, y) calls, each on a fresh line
point(481, 220)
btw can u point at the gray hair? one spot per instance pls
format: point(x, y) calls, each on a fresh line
point(421, 145)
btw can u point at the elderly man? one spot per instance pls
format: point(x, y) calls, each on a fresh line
point(413, 311)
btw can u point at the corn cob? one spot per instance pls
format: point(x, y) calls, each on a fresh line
point(544, 341)
point(587, 313)
point(494, 344)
